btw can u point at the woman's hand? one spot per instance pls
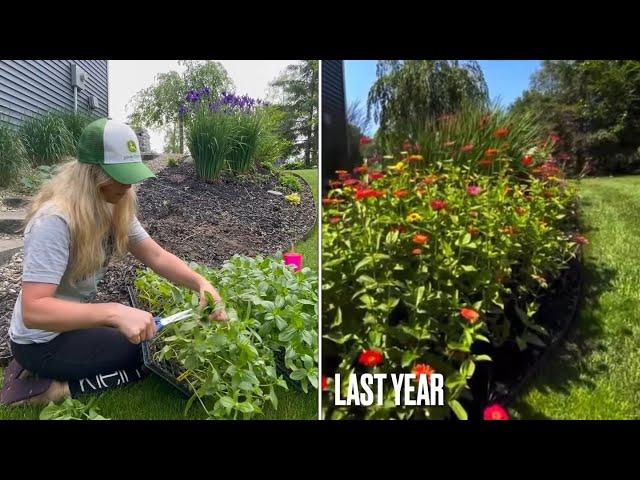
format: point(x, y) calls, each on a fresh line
point(218, 315)
point(137, 325)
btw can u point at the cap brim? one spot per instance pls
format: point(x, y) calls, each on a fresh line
point(128, 173)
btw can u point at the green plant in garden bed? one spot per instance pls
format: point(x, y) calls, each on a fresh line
point(290, 182)
point(293, 198)
point(421, 253)
point(12, 156)
point(227, 132)
point(72, 409)
point(47, 139)
point(231, 367)
point(210, 140)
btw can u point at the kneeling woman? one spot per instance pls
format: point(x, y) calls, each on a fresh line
point(61, 344)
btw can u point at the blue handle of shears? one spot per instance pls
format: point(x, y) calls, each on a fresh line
point(159, 325)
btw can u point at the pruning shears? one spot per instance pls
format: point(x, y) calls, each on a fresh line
point(163, 322)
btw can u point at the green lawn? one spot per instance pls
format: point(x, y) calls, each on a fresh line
point(153, 399)
point(597, 375)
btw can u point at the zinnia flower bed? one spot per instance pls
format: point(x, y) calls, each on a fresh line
point(430, 255)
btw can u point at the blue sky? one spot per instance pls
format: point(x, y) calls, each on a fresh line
point(506, 79)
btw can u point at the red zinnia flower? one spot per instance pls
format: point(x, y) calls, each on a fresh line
point(469, 315)
point(334, 220)
point(495, 412)
point(368, 193)
point(467, 148)
point(485, 163)
point(344, 176)
point(370, 358)
point(430, 180)
point(438, 205)
point(376, 175)
point(362, 169)
point(420, 369)
point(416, 251)
point(474, 190)
point(491, 152)
point(501, 132)
point(332, 201)
point(400, 193)
point(527, 160)
point(351, 182)
point(324, 382)
point(365, 140)
point(335, 184)
point(420, 239)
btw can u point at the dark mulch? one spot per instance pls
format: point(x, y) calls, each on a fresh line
point(208, 223)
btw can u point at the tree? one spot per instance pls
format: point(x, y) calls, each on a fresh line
point(295, 90)
point(357, 124)
point(594, 106)
point(409, 93)
point(159, 105)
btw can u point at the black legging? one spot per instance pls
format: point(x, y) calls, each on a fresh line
point(90, 360)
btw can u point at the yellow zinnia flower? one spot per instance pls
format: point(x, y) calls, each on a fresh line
point(414, 217)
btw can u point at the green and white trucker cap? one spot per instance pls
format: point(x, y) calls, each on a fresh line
point(114, 146)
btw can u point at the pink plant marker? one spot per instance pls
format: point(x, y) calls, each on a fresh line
point(295, 259)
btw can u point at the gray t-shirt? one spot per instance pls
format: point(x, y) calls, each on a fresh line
point(47, 258)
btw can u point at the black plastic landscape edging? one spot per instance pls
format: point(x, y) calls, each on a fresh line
point(558, 339)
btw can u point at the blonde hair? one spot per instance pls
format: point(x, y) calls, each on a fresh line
point(75, 191)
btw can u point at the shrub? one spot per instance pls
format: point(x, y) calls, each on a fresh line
point(232, 367)
point(421, 255)
point(12, 156)
point(294, 166)
point(47, 139)
point(271, 146)
point(290, 182)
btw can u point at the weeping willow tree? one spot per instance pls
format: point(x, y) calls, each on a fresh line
point(408, 94)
